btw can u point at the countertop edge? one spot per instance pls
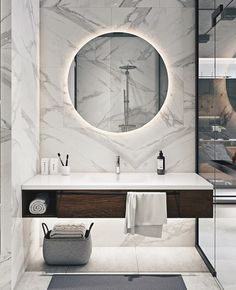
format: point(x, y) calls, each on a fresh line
point(25, 187)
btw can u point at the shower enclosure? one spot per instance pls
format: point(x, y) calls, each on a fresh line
point(216, 133)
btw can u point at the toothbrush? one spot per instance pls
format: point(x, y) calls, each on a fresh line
point(67, 157)
point(59, 155)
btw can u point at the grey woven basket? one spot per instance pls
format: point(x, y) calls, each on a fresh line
point(67, 251)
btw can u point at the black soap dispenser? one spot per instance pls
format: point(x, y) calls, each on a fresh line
point(161, 164)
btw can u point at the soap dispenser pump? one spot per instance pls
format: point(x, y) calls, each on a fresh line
point(160, 164)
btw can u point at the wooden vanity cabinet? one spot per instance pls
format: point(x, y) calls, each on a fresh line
point(111, 203)
point(90, 204)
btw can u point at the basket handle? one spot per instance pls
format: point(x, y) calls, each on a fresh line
point(88, 231)
point(45, 229)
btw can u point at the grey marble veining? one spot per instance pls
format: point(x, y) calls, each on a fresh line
point(118, 3)
point(19, 127)
point(171, 117)
point(169, 27)
point(100, 3)
point(5, 191)
point(5, 127)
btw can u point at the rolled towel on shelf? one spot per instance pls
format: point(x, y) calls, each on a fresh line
point(40, 204)
point(68, 231)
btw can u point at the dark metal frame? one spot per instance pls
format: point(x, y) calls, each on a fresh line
point(197, 246)
point(196, 84)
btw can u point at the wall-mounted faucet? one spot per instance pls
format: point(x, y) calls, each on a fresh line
point(118, 165)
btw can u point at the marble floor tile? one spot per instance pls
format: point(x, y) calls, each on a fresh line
point(110, 259)
point(129, 259)
point(34, 280)
point(203, 281)
point(169, 259)
point(37, 264)
point(103, 259)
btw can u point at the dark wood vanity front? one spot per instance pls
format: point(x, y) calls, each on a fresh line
point(112, 203)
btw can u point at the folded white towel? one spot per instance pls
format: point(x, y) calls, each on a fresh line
point(40, 204)
point(68, 231)
point(146, 212)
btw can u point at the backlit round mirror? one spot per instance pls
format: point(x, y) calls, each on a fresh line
point(118, 82)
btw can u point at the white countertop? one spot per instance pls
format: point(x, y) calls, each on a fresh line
point(126, 181)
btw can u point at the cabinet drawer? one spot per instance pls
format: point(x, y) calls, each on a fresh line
point(196, 204)
point(71, 205)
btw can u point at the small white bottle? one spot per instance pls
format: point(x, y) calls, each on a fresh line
point(53, 168)
point(44, 166)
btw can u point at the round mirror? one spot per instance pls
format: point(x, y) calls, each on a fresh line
point(118, 82)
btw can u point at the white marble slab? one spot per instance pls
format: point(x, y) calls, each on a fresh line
point(126, 181)
point(65, 27)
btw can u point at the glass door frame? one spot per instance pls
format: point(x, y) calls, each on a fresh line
point(197, 244)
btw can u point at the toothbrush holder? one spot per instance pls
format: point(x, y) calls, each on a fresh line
point(65, 170)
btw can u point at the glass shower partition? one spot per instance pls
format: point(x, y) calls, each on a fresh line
point(217, 93)
point(225, 164)
point(207, 119)
point(216, 154)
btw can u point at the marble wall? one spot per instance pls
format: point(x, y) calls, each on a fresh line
point(19, 132)
point(66, 25)
point(168, 25)
point(5, 159)
point(25, 125)
point(5, 126)
point(110, 233)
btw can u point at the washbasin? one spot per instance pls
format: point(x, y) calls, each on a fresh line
point(125, 177)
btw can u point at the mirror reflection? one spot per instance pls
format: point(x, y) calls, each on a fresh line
point(118, 82)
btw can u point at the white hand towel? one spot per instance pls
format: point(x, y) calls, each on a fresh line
point(146, 212)
point(68, 231)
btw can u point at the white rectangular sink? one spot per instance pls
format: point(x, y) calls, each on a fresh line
point(126, 181)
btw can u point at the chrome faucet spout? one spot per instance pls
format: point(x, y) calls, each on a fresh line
point(118, 165)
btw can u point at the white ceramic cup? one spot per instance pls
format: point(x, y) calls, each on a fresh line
point(65, 170)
